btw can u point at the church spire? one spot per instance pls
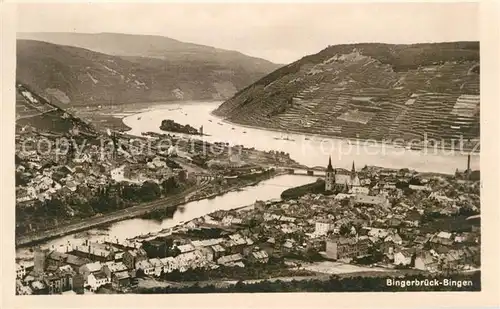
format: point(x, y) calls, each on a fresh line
point(329, 168)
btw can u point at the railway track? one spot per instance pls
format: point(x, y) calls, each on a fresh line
point(123, 214)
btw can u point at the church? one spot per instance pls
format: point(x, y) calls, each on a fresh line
point(340, 182)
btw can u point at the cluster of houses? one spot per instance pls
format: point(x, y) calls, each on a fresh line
point(346, 227)
point(59, 172)
point(90, 266)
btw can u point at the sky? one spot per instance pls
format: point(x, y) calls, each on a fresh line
point(278, 32)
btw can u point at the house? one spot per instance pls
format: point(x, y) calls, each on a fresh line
point(121, 279)
point(421, 239)
point(322, 227)
point(346, 248)
point(191, 259)
point(369, 200)
point(20, 271)
point(231, 220)
point(426, 261)
point(207, 252)
point(442, 238)
point(146, 267)
point(218, 251)
point(186, 248)
point(169, 264)
point(22, 289)
point(96, 280)
point(260, 256)
point(71, 185)
point(113, 267)
point(76, 261)
point(24, 197)
point(378, 233)
point(229, 260)
point(88, 269)
point(403, 258)
point(131, 257)
point(463, 237)
point(394, 238)
point(453, 257)
point(412, 218)
point(289, 244)
point(236, 243)
point(342, 196)
point(440, 198)
point(96, 251)
point(58, 283)
point(420, 188)
point(157, 265)
point(360, 190)
point(55, 259)
point(393, 222)
point(39, 287)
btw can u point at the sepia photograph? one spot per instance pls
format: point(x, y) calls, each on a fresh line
point(200, 148)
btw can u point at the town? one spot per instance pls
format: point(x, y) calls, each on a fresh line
point(381, 221)
point(64, 177)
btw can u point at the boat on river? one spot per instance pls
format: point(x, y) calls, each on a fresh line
point(284, 138)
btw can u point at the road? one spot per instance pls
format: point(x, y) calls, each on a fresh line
point(115, 216)
point(123, 214)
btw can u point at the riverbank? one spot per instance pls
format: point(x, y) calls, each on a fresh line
point(111, 116)
point(134, 212)
point(356, 141)
point(97, 221)
point(158, 215)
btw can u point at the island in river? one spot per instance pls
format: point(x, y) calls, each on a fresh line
point(172, 126)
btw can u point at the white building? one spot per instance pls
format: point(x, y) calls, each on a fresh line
point(146, 267)
point(96, 280)
point(323, 227)
point(360, 190)
point(402, 258)
point(169, 264)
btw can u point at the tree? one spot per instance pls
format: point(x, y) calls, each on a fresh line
point(344, 229)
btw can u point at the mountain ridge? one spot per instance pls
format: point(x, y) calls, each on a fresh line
point(368, 91)
point(71, 75)
point(150, 46)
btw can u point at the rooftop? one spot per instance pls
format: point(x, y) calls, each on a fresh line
point(114, 267)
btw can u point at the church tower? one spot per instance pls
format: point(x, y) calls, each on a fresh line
point(329, 176)
point(354, 177)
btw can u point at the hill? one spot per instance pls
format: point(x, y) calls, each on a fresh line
point(369, 91)
point(72, 75)
point(154, 46)
point(36, 112)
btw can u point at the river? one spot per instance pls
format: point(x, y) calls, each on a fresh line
point(265, 190)
point(311, 152)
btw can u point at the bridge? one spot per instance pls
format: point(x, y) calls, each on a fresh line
point(302, 171)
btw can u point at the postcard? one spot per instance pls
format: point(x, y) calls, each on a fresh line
point(168, 152)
